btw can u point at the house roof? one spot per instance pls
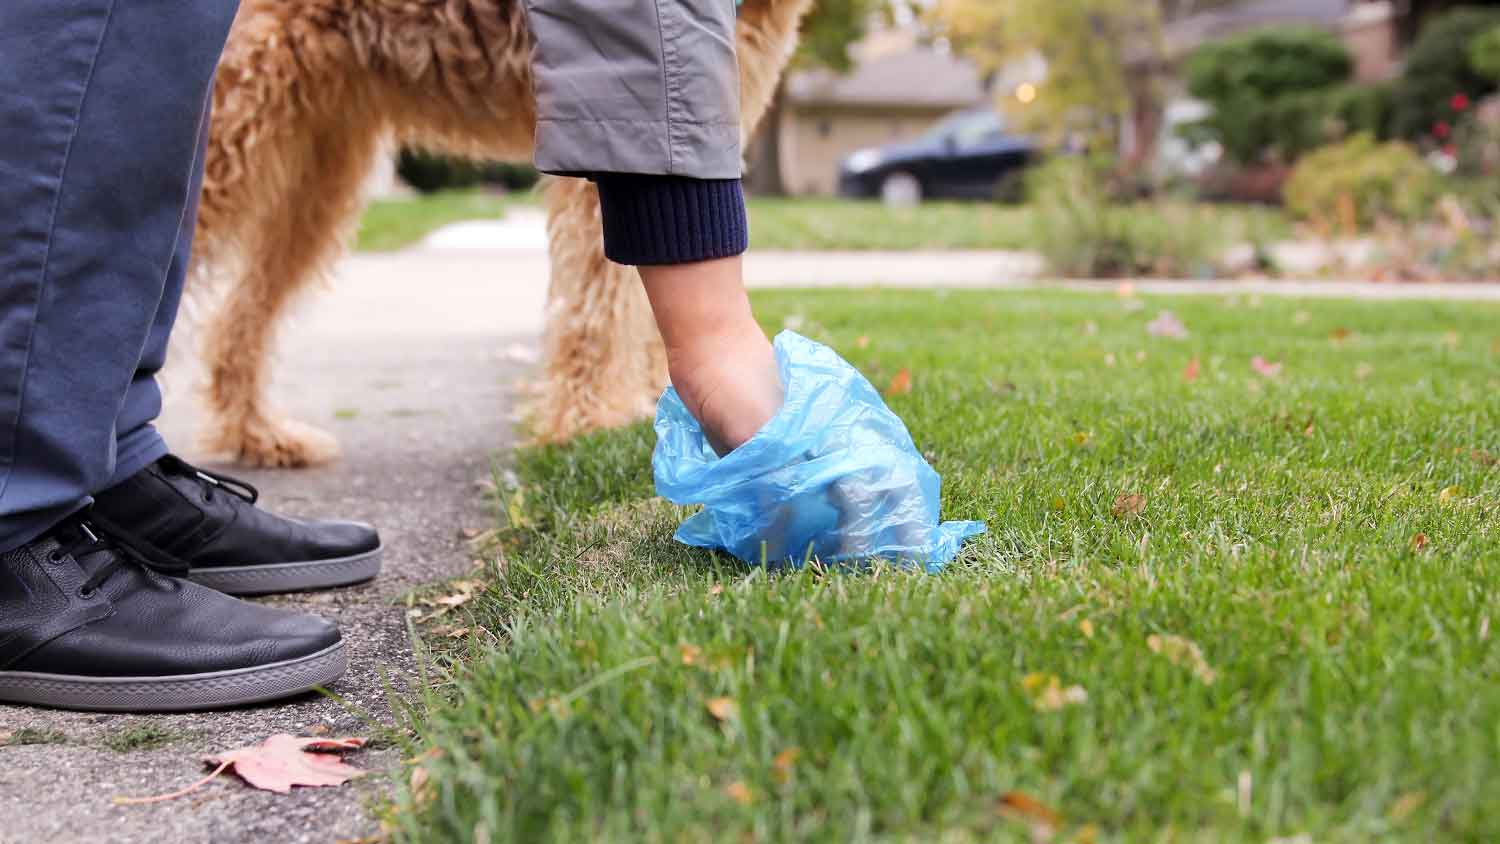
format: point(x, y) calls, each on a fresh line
point(915, 77)
point(1189, 32)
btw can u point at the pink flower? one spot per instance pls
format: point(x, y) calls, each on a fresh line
point(1460, 101)
point(1442, 129)
point(1450, 150)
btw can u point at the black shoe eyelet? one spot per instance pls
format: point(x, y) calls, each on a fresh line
point(55, 558)
point(87, 594)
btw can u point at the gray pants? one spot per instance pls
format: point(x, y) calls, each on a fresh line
point(636, 86)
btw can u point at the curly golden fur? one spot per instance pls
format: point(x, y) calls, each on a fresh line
point(308, 95)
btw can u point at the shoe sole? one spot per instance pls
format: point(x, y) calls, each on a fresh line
point(290, 577)
point(212, 690)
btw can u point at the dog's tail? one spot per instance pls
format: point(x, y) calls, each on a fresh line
point(767, 37)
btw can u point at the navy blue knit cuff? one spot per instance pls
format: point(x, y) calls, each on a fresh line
point(655, 220)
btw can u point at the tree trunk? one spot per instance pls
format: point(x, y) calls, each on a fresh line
point(765, 177)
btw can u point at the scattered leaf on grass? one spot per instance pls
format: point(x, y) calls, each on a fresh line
point(740, 793)
point(1406, 804)
point(1184, 652)
point(1082, 438)
point(1128, 505)
point(723, 708)
point(783, 765)
point(1363, 371)
point(1086, 627)
point(1020, 806)
point(1339, 335)
point(1167, 324)
point(901, 384)
point(1048, 694)
point(1448, 494)
point(690, 654)
point(1190, 374)
point(1266, 368)
point(1484, 458)
point(863, 342)
point(1419, 542)
point(277, 764)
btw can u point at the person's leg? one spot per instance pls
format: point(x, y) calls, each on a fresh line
point(99, 119)
point(137, 442)
point(643, 95)
point(101, 107)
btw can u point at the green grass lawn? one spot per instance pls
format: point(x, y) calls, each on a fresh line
point(390, 224)
point(797, 224)
point(1287, 635)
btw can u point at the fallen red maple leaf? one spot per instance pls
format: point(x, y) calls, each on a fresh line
point(277, 764)
point(901, 384)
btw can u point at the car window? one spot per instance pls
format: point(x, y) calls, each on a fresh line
point(970, 128)
point(978, 133)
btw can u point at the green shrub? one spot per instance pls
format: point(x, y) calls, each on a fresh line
point(1484, 54)
point(1268, 63)
point(1280, 90)
point(1360, 181)
point(1437, 68)
point(428, 173)
point(1083, 233)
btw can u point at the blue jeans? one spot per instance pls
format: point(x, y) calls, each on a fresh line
point(103, 119)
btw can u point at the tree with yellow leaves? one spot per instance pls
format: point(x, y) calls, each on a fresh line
point(1104, 62)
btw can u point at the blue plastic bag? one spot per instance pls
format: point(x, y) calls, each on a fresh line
point(834, 476)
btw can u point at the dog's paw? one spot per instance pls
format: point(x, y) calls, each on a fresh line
point(275, 444)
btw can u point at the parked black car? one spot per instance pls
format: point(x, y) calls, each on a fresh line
point(970, 155)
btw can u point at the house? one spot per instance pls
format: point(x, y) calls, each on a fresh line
point(1369, 29)
point(897, 89)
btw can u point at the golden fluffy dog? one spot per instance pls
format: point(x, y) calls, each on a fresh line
point(308, 95)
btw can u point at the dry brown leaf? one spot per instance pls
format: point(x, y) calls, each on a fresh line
point(1448, 494)
point(1265, 368)
point(740, 793)
point(863, 342)
point(1020, 806)
point(1190, 374)
point(723, 708)
point(901, 384)
point(1406, 804)
point(1184, 652)
point(1128, 505)
point(690, 654)
point(1419, 542)
point(1484, 458)
point(783, 765)
point(1339, 335)
point(277, 764)
point(1086, 627)
point(1048, 694)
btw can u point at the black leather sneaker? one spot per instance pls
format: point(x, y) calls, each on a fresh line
point(209, 524)
point(87, 623)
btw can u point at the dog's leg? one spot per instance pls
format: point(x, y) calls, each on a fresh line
point(605, 363)
point(295, 234)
